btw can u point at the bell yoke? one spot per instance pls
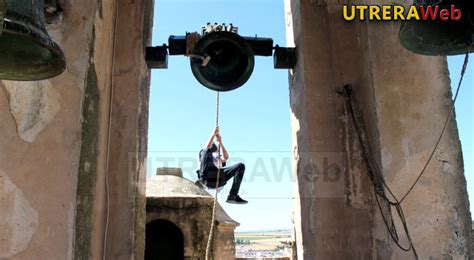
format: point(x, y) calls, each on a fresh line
point(220, 58)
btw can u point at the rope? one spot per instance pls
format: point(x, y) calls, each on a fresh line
point(109, 131)
point(377, 178)
point(463, 71)
point(217, 109)
point(214, 206)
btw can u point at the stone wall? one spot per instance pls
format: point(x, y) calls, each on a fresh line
point(129, 130)
point(195, 226)
point(193, 217)
point(224, 242)
point(54, 140)
point(172, 198)
point(411, 111)
point(41, 145)
point(403, 100)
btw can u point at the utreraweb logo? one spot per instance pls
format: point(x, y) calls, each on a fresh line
point(400, 13)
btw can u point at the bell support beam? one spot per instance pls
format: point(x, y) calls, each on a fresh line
point(157, 57)
point(220, 58)
point(284, 58)
point(177, 45)
point(260, 46)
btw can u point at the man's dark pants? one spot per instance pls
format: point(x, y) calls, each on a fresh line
point(235, 171)
point(226, 173)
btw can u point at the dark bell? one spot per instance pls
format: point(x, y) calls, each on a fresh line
point(26, 50)
point(440, 37)
point(231, 61)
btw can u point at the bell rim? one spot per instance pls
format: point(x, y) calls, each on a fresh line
point(55, 66)
point(425, 47)
point(246, 75)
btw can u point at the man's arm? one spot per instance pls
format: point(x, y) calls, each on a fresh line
point(211, 139)
point(225, 154)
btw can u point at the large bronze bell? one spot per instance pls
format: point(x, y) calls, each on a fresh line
point(230, 61)
point(437, 37)
point(221, 60)
point(26, 50)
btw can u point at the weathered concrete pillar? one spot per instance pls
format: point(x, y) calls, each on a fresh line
point(54, 140)
point(335, 194)
point(413, 98)
point(129, 131)
point(40, 140)
point(403, 99)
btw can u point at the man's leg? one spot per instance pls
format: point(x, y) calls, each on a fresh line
point(237, 172)
point(212, 178)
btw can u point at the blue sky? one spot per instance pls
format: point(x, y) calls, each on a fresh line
point(254, 119)
point(464, 115)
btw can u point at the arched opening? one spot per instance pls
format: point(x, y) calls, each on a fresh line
point(164, 240)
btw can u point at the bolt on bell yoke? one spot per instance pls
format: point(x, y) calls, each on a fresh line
point(220, 58)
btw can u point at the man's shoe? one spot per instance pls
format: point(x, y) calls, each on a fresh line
point(236, 199)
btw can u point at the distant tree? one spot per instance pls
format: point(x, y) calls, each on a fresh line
point(242, 241)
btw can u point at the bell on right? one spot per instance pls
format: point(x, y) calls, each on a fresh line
point(438, 37)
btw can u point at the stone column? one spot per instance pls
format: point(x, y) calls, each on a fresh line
point(224, 241)
point(413, 99)
point(129, 126)
point(54, 140)
point(40, 146)
point(396, 92)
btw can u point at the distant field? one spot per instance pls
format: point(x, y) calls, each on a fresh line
point(269, 240)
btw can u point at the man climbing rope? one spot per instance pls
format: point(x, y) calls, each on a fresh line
point(213, 162)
